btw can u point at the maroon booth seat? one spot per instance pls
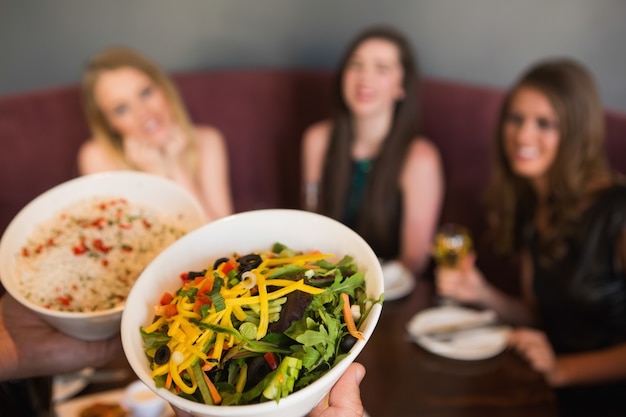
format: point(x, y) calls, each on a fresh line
point(262, 114)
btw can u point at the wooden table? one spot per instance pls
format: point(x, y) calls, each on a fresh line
point(405, 380)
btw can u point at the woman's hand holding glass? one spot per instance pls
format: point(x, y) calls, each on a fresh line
point(456, 277)
point(463, 283)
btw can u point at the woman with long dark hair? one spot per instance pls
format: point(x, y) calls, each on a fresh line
point(556, 204)
point(367, 165)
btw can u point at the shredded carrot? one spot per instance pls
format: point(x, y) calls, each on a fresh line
point(217, 398)
point(168, 381)
point(347, 316)
point(208, 365)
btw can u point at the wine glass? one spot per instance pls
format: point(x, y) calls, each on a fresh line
point(453, 242)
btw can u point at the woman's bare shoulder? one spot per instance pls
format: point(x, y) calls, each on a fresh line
point(93, 157)
point(319, 128)
point(208, 133)
point(209, 138)
point(422, 149)
point(317, 135)
point(90, 146)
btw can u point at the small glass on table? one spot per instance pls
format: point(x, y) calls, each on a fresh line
point(453, 242)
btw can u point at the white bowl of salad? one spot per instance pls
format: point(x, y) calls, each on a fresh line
point(256, 314)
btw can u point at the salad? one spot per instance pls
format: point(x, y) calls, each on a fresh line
point(256, 327)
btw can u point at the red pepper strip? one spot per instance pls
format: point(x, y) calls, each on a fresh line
point(99, 245)
point(347, 317)
point(271, 360)
point(65, 301)
point(229, 266)
point(168, 310)
point(207, 286)
point(166, 298)
point(79, 249)
point(201, 300)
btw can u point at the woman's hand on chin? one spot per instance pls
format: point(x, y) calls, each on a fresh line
point(144, 156)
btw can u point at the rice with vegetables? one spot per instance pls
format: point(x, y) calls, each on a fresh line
point(87, 257)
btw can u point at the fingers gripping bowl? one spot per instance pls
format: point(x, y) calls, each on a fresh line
point(72, 253)
point(246, 233)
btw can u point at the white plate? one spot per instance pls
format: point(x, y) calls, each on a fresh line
point(398, 281)
point(73, 407)
point(472, 344)
point(66, 386)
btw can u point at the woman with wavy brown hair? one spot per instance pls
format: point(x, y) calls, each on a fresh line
point(556, 203)
point(367, 165)
point(139, 122)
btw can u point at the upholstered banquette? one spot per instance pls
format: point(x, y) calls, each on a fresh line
point(262, 114)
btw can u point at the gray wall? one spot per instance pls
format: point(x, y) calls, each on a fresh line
point(46, 42)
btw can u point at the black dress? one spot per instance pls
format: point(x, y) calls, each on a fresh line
point(582, 300)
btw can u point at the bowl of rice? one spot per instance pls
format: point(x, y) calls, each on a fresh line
point(74, 252)
point(209, 309)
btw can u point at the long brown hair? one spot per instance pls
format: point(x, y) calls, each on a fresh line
point(379, 210)
point(118, 57)
point(580, 159)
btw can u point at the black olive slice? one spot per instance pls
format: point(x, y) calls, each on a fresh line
point(347, 342)
point(194, 274)
point(162, 355)
point(219, 262)
point(248, 262)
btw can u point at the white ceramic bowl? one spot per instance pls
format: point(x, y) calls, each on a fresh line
point(242, 233)
point(152, 191)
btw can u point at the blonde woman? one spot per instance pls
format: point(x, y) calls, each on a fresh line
point(138, 122)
